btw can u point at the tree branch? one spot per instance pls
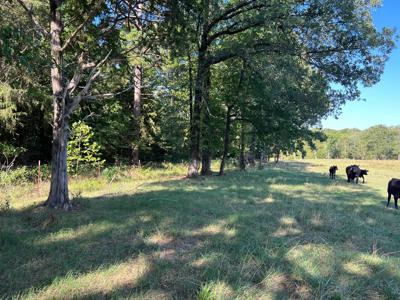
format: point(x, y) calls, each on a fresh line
point(42, 31)
point(229, 13)
point(79, 28)
point(231, 30)
point(73, 83)
point(83, 93)
point(108, 95)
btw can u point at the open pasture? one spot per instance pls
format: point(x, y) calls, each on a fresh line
point(284, 232)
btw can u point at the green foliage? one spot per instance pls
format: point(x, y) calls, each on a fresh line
point(20, 175)
point(282, 96)
point(9, 115)
point(377, 142)
point(5, 205)
point(112, 173)
point(206, 293)
point(8, 153)
point(82, 150)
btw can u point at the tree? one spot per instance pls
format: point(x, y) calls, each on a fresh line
point(82, 150)
point(337, 38)
point(69, 47)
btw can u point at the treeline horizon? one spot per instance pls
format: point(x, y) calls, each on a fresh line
point(378, 142)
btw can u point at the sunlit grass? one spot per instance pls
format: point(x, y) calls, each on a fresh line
point(286, 231)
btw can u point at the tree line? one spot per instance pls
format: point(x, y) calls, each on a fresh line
point(178, 79)
point(377, 142)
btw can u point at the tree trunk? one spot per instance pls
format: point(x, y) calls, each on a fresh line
point(226, 140)
point(252, 154)
point(206, 164)
point(58, 196)
point(137, 97)
point(193, 168)
point(242, 163)
point(262, 157)
point(190, 92)
point(207, 132)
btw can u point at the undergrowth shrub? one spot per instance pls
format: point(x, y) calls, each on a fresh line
point(113, 173)
point(83, 151)
point(5, 205)
point(24, 175)
point(19, 175)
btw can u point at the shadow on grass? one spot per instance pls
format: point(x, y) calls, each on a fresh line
point(283, 232)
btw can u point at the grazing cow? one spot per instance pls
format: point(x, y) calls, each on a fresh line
point(249, 159)
point(393, 189)
point(362, 173)
point(332, 172)
point(353, 172)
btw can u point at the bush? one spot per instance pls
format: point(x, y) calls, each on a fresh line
point(82, 150)
point(23, 175)
point(112, 173)
point(5, 205)
point(20, 175)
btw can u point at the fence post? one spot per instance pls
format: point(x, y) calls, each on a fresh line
point(39, 179)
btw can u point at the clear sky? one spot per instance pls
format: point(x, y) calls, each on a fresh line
point(382, 105)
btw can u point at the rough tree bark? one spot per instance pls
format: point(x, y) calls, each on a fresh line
point(194, 162)
point(137, 97)
point(190, 92)
point(58, 196)
point(207, 130)
point(252, 152)
point(203, 68)
point(242, 162)
point(226, 139)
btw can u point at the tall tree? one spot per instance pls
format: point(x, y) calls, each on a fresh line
point(137, 95)
point(335, 37)
point(70, 87)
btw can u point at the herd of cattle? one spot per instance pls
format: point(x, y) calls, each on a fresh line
point(354, 172)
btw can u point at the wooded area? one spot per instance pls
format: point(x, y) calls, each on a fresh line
point(377, 142)
point(140, 81)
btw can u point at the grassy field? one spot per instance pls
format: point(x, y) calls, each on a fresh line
point(285, 232)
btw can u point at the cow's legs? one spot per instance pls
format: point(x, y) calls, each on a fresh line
point(389, 196)
point(395, 201)
point(356, 179)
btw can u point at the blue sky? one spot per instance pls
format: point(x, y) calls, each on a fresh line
point(382, 105)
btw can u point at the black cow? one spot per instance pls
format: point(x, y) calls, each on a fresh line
point(332, 172)
point(393, 189)
point(353, 172)
point(362, 173)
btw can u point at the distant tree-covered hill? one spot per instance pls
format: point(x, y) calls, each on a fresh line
point(377, 142)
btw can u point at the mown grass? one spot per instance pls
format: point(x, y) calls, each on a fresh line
point(285, 232)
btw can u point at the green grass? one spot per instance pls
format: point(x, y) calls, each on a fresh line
point(283, 232)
